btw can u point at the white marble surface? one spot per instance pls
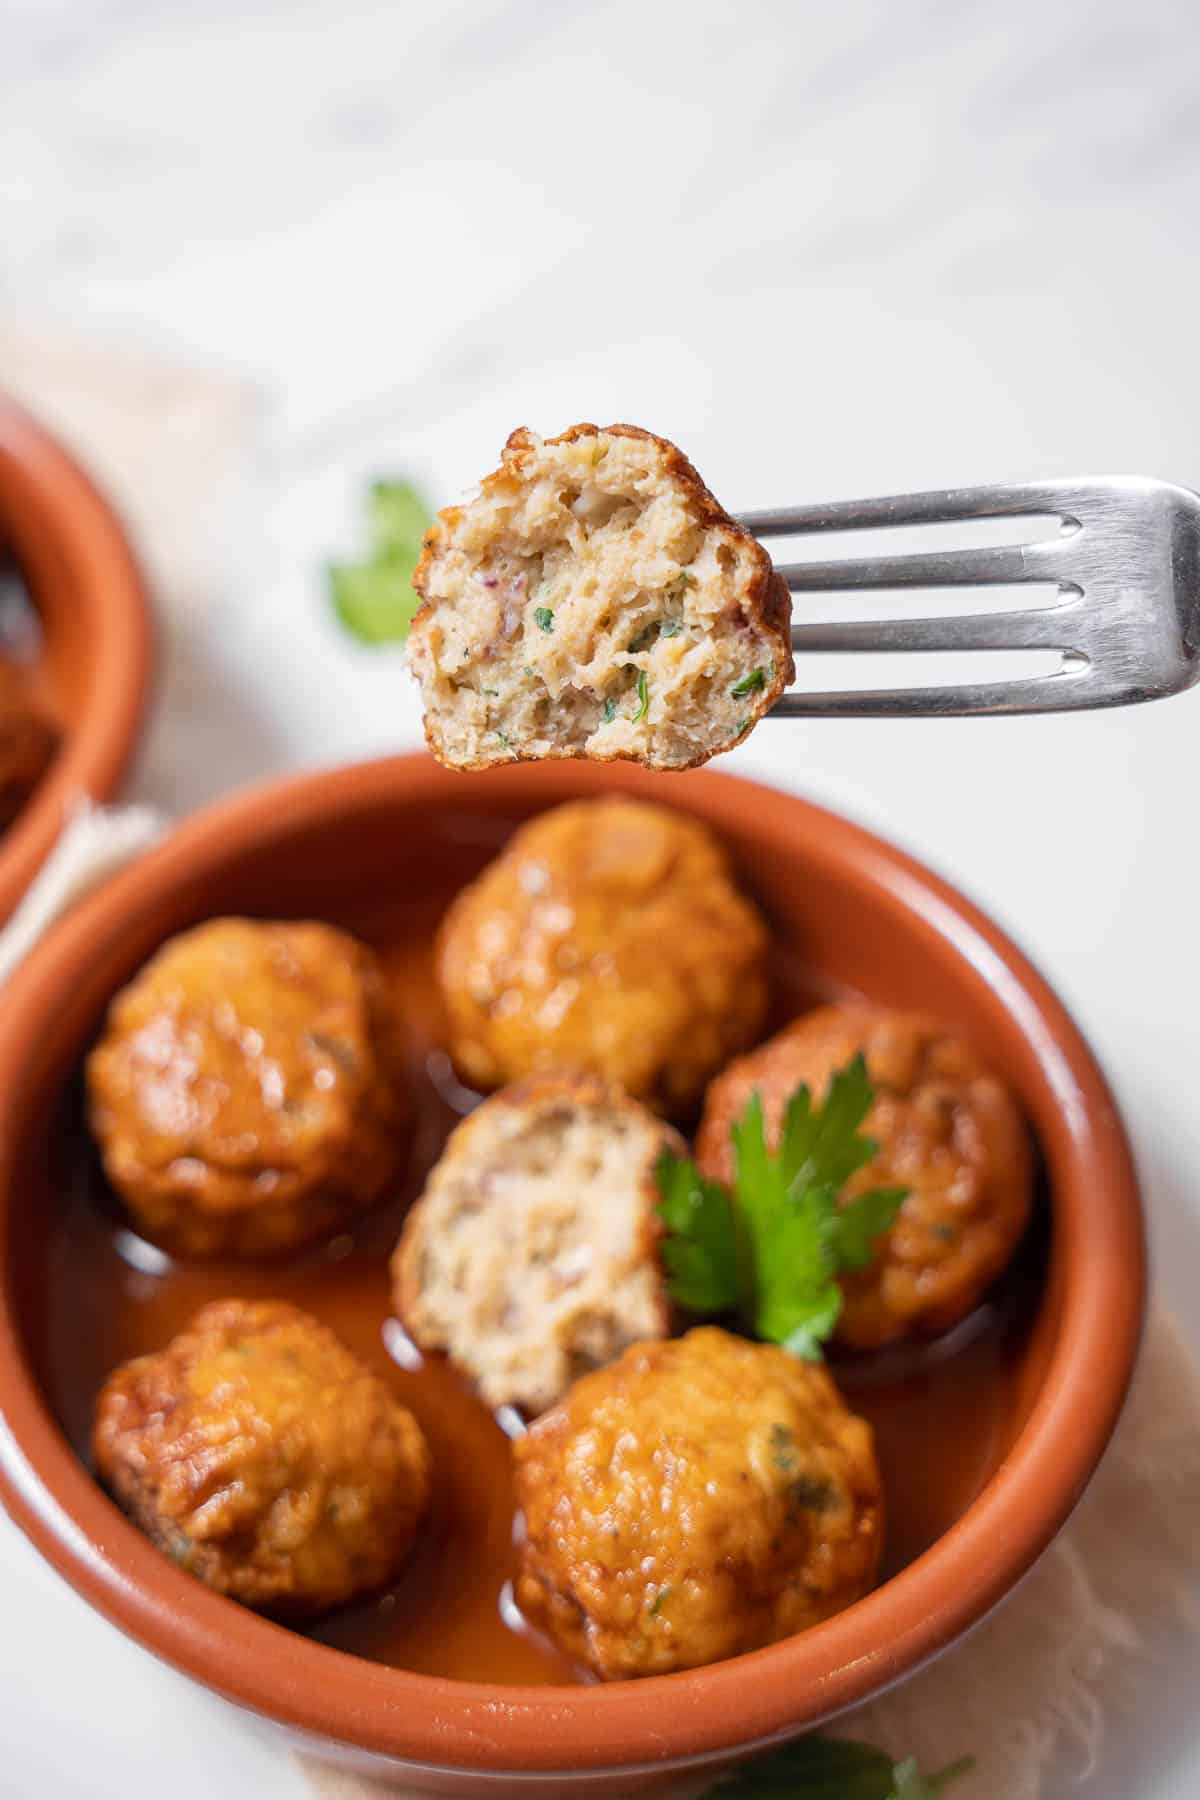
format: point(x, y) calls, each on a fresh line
point(831, 251)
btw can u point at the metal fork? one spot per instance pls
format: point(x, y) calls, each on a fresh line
point(1127, 619)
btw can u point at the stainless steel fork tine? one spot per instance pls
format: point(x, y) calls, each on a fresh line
point(1043, 628)
point(1061, 692)
point(938, 506)
point(1004, 565)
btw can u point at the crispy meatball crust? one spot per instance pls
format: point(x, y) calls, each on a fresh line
point(696, 1499)
point(595, 600)
point(261, 1455)
point(608, 936)
point(27, 742)
point(948, 1130)
point(532, 1254)
point(245, 1094)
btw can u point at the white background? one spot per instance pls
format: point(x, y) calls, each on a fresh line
point(839, 250)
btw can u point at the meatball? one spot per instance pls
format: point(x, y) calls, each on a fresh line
point(265, 1459)
point(531, 1256)
point(594, 600)
point(609, 936)
point(27, 742)
point(245, 1093)
point(696, 1499)
point(948, 1130)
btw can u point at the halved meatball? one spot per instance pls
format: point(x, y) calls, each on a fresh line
point(531, 1256)
point(264, 1458)
point(608, 936)
point(27, 741)
point(948, 1130)
point(595, 600)
point(246, 1093)
point(695, 1499)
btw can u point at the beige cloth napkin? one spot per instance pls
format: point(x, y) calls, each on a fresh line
point(1095, 1631)
point(1089, 1637)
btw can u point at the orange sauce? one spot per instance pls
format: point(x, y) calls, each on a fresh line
point(942, 1414)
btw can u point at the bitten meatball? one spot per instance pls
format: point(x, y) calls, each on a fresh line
point(245, 1094)
point(595, 600)
point(27, 742)
point(609, 936)
point(696, 1499)
point(948, 1130)
point(531, 1256)
point(262, 1456)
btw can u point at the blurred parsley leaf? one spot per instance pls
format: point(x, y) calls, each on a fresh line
point(821, 1768)
point(771, 1247)
point(374, 598)
point(700, 1251)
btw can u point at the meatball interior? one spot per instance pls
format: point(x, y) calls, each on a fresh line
point(608, 936)
point(695, 1499)
point(531, 1256)
point(263, 1457)
point(594, 600)
point(948, 1130)
point(245, 1093)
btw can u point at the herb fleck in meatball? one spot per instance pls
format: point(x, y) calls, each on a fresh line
point(608, 936)
point(594, 600)
point(263, 1457)
point(532, 1254)
point(948, 1130)
point(697, 1498)
point(245, 1093)
point(27, 741)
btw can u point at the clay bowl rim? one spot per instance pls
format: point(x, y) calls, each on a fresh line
point(61, 528)
point(666, 1721)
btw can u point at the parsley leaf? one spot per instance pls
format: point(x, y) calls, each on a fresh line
point(544, 617)
point(700, 1252)
point(374, 598)
point(772, 1246)
point(643, 692)
point(749, 684)
point(672, 628)
point(821, 1768)
point(609, 713)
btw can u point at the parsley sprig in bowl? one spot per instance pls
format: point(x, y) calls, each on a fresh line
point(768, 1249)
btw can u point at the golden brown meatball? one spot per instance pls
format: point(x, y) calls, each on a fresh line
point(948, 1131)
point(245, 1093)
point(532, 1254)
point(27, 741)
point(262, 1456)
point(695, 1499)
point(609, 936)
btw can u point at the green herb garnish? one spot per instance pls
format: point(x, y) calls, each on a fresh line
point(672, 628)
point(544, 617)
point(609, 713)
point(643, 693)
point(374, 598)
point(749, 684)
point(822, 1768)
point(771, 1247)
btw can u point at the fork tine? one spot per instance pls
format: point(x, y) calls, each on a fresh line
point(1005, 565)
point(936, 507)
point(1061, 692)
point(1043, 628)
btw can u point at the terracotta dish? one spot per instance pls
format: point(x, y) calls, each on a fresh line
point(986, 1443)
point(93, 666)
